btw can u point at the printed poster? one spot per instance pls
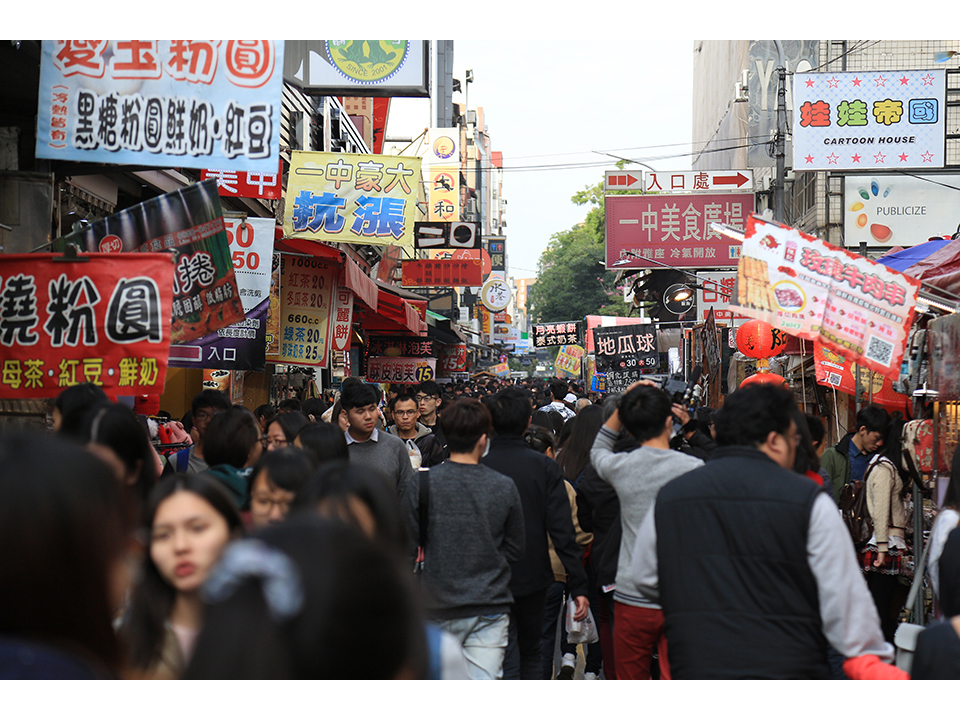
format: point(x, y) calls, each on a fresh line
point(340, 197)
point(241, 346)
point(569, 360)
point(164, 103)
point(834, 370)
point(810, 289)
point(102, 319)
point(188, 222)
point(306, 302)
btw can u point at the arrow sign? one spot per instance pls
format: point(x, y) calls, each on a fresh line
point(619, 180)
point(739, 179)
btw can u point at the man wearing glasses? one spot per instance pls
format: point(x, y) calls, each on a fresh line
point(429, 450)
point(428, 401)
point(206, 404)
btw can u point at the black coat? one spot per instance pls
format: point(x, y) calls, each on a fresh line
point(546, 511)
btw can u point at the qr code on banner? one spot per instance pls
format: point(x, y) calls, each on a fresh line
point(879, 351)
point(833, 379)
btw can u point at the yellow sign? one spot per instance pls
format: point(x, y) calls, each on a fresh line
point(340, 197)
point(443, 184)
point(306, 299)
point(568, 360)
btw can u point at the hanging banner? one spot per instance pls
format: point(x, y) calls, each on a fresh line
point(306, 302)
point(624, 353)
point(568, 361)
point(401, 369)
point(237, 183)
point(441, 273)
point(501, 370)
point(595, 321)
point(179, 103)
point(273, 311)
point(443, 185)
point(453, 359)
point(876, 119)
point(339, 197)
point(834, 370)
point(188, 222)
point(399, 346)
point(550, 334)
point(340, 334)
point(241, 346)
point(810, 289)
point(101, 319)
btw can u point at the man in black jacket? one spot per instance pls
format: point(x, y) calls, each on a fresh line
point(546, 511)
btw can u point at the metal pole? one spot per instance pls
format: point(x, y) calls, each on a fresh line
point(780, 143)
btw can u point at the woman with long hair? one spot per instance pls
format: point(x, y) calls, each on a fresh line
point(283, 429)
point(574, 456)
point(191, 519)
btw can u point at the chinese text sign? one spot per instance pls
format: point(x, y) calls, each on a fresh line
point(306, 300)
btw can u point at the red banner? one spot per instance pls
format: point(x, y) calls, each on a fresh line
point(453, 359)
point(834, 370)
point(442, 273)
point(104, 318)
point(237, 183)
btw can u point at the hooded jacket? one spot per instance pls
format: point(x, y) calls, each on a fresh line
point(431, 449)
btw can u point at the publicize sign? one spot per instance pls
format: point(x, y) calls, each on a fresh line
point(404, 370)
point(441, 273)
point(674, 229)
point(550, 334)
point(102, 319)
point(237, 183)
point(339, 197)
point(167, 103)
point(890, 119)
point(810, 289)
point(624, 353)
point(188, 222)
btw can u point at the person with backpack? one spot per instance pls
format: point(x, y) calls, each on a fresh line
point(206, 404)
point(847, 460)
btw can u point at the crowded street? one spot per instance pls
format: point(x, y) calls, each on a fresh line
point(283, 398)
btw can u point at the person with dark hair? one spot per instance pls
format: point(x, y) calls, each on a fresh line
point(475, 531)
point(284, 428)
point(367, 445)
point(559, 391)
point(289, 405)
point(541, 440)
point(314, 408)
point(550, 420)
point(847, 460)
point(206, 404)
point(751, 562)
point(546, 513)
point(191, 519)
point(113, 433)
point(309, 599)
point(647, 414)
point(574, 457)
point(937, 656)
point(948, 518)
point(807, 461)
point(66, 530)
point(232, 447)
point(265, 415)
point(426, 450)
point(428, 399)
point(71, 404)
point(278, 478)
point(818, 434)
point(323, 443)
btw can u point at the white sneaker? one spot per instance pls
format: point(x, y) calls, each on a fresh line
point(590, 676)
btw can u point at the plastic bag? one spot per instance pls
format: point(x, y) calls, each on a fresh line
point(580, 631)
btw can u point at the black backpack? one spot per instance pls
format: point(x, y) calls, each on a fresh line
point(853, 510)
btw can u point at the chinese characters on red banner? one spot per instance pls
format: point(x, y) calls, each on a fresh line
point(441, 273)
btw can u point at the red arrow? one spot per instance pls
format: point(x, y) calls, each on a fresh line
point(627, 180)
point(739, 179)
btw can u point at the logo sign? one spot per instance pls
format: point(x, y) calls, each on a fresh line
point(404, 370)
point(550, 334)
point(237, 183)
point(891, 119)
point(446, 235)
point(620, 180)
point(674, 229)
point(495, 294)
point(441, 273)
point(897, 210)
point(380, 68)
point(710, 181)
point(678, 307)
point(103, 321)
point(179, 103)
point(443, 184)
point(340, 197)
point(443, 147)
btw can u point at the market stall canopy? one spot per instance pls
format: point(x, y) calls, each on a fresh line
point(903, 259)
point(940, 269)
point(363, 287)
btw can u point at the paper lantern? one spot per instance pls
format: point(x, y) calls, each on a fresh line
point(760, 340)
point(764, 378)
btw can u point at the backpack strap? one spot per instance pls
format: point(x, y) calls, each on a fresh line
point(183, 460)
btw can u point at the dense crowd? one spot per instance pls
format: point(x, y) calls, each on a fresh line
point(478, 530)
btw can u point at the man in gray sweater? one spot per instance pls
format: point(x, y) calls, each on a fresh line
point(637, 477)
point(474, 531)
point(369, 446)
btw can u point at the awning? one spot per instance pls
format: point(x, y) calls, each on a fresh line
point(406, 309)
point(443, 329)
point(354, 277)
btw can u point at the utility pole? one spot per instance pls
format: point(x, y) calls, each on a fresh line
point(780, 143)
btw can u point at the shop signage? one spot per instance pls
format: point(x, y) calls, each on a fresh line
point(568, 361)
point(241, 346)
point(714, 293)
point(306, 301)
point(834, 370)
point(495, 294)
point(441, 273)
point(453, 359)
point(674, 229)
point(341, 319)
point(890, 119)
point(624, 353)
point(402, 370)
point(340, 197)
point(698, 181)
point(501, 370)
point(237, 183)
point(595, 321)
point(550, 334)
point(808, 288)
point(103, 319)
point(188, 222)
point(165, 103)
point(400, 346)
point(383, 68)
point(452, 235)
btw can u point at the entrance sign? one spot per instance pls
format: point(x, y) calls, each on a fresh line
point(706, 181)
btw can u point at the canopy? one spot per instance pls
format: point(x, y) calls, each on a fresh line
point(902, 259)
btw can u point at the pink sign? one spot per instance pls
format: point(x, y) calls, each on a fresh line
point(675, 229)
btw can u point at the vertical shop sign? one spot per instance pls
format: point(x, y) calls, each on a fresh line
point(306, 304)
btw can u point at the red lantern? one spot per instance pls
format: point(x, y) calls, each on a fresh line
point(762, 377)
point(757, 339)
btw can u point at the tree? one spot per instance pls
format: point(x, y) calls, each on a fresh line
point(571, 280)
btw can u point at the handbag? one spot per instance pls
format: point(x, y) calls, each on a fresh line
point(423, 515)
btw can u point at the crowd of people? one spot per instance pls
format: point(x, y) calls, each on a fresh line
point(459, 531)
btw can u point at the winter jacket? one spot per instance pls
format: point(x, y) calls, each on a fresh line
point(836, 461)
point(431, 449)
